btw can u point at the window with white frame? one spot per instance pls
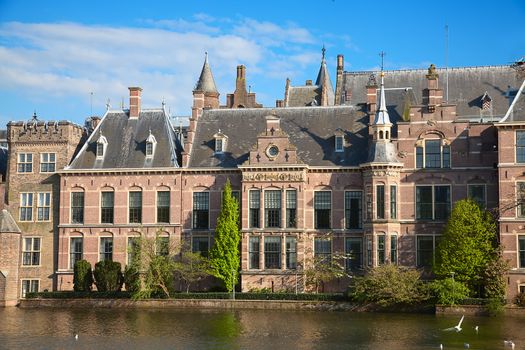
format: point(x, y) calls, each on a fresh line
point(353, 209)
point(76, 250)
point(163, 206)
point(25, 163)
point(201, 210)
point(107, 205)
point(253, 252)
point(432, 154)
point(31, 251)
point(255, 205)
point(520, 146)
point(272, 252)
point(521, 251)
point(29, 286)
point(393, 202)
point(43, 206)
point(47, 162)
point(433, 202)
point(291, 208)
point(135, 207)
point(380, 201)
point(221, 141)
point(339, 143)
point(102, 144)
point(393, 249)
point(291, 253)
point(151, 144)
point(323, 250)
point(106, 249)
point(26, 206)
point(322, 209)
point(77, 207)
point(369, 251)
point(354, 253)
point(272, 208)
point(380, 249)
point(477, 192)
point(520, 199)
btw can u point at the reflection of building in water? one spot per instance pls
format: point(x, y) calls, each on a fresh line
point(370, 169)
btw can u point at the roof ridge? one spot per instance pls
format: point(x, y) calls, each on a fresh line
point(424, 69)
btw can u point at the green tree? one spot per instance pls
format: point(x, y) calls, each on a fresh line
point(468, 244)
point(225, 255)
point(494, 282)
point(192, 267)
point(449, 291)
point(319, 271)
point(108, 276)
point(82, 276)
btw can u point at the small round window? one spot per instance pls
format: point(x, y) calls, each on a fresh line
point(273, 151)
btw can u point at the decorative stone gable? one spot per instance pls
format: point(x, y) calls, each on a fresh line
point(273, 145)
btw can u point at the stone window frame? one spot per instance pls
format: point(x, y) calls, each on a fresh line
point(521, 251)
point(32, 283)
point(135, 213)
point(76, 209)
point(290, 207)
point(107, 211)
point(520, 199)
point(151, 145)
point(106, 236)
point(380, 202)
point(470, 185)
point(339, 141)
point(24, 166)
point(196, 209)
point(41, 207)
point(394, 248)
point(348, 260)
point(381, 248)
point(316, 213)
point(393, 201)
point(519, 144)
point(27, 200)
point(254, 258)
point(47, 162)
point(31, 254)
point(276, 254)
point(161, 208)
point(254, 208)
point(71, 253)
point(435, 242)
point(268, 209)
point(221, 142)
point(324, 255)
point(291, 254)
point(101, 147)
point(421, 148)
point(348, 208)
point(433, 186)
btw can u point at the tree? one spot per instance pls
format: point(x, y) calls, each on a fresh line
point(494, 283)
point(321, 270)
point(468, 244)
point(108, 276)
point(82, 276)
point(192, 267)
point(449, 291)
point(225, 254)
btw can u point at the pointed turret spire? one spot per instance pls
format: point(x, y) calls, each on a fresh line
point(324, 82)
point(382, 117)
point(323, 72)
point(206, 82)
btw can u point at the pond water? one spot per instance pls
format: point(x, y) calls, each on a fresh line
point(247, 329)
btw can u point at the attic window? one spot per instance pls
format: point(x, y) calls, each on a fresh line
point(102, 144)
point(486, 101)
point(339, 140)
point(220, 142)
point(151, 144)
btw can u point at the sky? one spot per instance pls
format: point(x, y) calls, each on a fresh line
point(65, 60)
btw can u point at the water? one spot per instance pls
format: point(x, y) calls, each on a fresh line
point(247, 329)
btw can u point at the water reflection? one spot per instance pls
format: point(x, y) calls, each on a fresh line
point(246, 329)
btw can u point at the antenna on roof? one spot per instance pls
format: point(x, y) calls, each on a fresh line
point(382, 54)
point(91, 102)
point(446, 62)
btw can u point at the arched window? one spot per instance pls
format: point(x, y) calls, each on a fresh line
point(151, 143)
point(221, 141)
point(102, 144)
point(432, 153)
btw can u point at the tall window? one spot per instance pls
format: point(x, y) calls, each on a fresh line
point(29, 286)
point(100, 150)
point(31, 251)
point(426, 246)
point(106, 249)
point(393, 249)
point(149, 149)
point(218, 145)
point(25, 163)
point(380, 201)
point(291, 253)
point(77, 207)
point(255, 205)
point(163, 206)
point(201, 209)
point(477, 194)
point(272, 252)
point(433, 155)
point(432, 202)
point(354, 253)
point(520, 146)
point(368, 199)
point(162, 246)
point(47, 162)
point(353, 209)
point(323, 250)
point(133, 249)
point(253, 252)
point(43, 206)
point(107, 207)
point(520, 198)
point(323, 209)
point(381, 249)
point(393, 202)
point(369, 251)
point(135, 207)
point(200, 245)
point(26, 206)
point(272, 208)
point(522, 251)
point(339, 143)
point(291, 208)
point(76, 249)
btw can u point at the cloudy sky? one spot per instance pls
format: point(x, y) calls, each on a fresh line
point(65, 59)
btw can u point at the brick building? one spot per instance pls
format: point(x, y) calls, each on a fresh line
point(370, 169)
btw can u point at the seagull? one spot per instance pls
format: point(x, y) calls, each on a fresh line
point(456, 328)
point(466, 345)
point(76, 336)
point(476, 329)
point(441, 346)
point(509, 344)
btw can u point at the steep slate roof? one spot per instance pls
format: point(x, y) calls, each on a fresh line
point(126, 138)
point(206, 83)
point(311, 130)
point(466, 87)
point(7, 223)
point(300, 96)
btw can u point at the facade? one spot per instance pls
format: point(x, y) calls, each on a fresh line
point(369, 170)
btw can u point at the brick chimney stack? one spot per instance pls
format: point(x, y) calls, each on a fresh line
point(339, 80)
point(134, 101)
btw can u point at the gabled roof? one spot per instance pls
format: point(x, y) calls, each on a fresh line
point(465, 87)
point(311, 131)
point(126, 142)
point(7, 223)
point(206, 83)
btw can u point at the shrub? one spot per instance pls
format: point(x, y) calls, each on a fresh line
point(389, 285)
point(495, 306)
point(448, 291)
point(520, 299)
point(82, 276)
point(131, 278)
point(108, 276)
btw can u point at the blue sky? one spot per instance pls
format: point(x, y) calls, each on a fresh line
point(53, 54)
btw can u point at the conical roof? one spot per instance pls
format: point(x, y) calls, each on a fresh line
point(382, 116)
point(206, 82)
point(323, 78)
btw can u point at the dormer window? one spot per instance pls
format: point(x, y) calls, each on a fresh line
point(151, 143)
point(102, 144)
point(339, 140)
point(486, 101)
point(220, 142)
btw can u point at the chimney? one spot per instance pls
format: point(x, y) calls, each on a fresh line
point(134, 101)
point(308, 82)
point(339, 80)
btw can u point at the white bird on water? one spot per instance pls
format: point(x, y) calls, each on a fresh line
point(456, 328)
point(441, 346)
point(509, 344)
point(466, 345)
point(476, 329)
point(76, 336)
